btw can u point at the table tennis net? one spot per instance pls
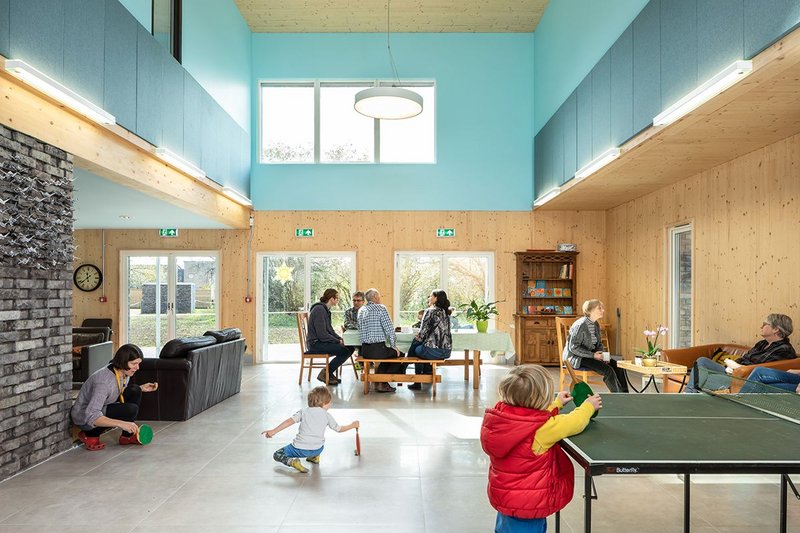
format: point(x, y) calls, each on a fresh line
point(770, 399)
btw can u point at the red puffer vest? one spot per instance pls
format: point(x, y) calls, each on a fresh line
point(521, 484)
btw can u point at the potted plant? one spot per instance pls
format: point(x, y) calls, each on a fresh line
point(480, 313)
point(650, 354)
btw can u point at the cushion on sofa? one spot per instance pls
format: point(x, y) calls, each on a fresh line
point(178, 347)
point(85, 339)
point(225, 335)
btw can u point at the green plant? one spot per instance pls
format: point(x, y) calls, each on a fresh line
point(479, 312)
point(652, 342)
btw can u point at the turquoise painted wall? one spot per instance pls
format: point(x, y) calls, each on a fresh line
point(142, 10)
point(571, 37)
point(484, 122)
point(217, 53)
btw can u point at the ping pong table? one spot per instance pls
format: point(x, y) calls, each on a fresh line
point(684, 434)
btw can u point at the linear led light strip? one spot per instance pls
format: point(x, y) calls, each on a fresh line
point(546, 197)
point(236, 196)
point(180, 163)
point(23, 71)
point(597, 163)
point(732, 74)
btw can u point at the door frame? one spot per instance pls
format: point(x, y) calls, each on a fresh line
point(258, 355)
point(171, 284)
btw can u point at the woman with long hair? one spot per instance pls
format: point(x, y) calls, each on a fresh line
point(434, 340)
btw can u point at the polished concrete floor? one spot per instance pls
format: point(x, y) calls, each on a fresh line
point(421, 470)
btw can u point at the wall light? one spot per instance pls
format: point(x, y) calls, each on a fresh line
point(597, 163)
point(546, 197)
point(23, 71)
point(168, 156)
point(732, 74)
point(236, 196)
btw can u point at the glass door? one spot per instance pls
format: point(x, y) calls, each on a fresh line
point(167, 296)
point(293, 282)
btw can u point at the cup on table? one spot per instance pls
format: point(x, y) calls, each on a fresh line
point(606, 356)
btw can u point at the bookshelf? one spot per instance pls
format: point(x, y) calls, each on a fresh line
point(546, 282)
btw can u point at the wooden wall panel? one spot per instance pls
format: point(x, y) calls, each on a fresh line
point(374, 235)
point(745, 215)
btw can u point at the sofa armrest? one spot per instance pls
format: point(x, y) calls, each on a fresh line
point(687, 356)
point(785, 364)
point(105, 331)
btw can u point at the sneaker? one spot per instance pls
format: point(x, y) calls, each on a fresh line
point(295, 463)
point(415, 386)
point(314, 459)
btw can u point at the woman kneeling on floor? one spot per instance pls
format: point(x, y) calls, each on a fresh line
point(108, 400)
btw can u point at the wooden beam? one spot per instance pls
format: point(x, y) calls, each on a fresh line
point(112, 152)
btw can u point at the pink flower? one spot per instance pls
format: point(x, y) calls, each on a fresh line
point(648, 333)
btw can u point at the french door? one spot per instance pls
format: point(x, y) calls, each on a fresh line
point(167, 295)
point(291, 282)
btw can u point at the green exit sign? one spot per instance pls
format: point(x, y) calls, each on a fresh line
point(304, 232)
point(445, 232)
point(168, 232)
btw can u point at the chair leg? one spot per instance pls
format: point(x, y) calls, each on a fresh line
point(561, 377)
point(365, 376)
point(302, 367)
point(327, 371)
point(353, 362)
point(433, 376)
point(310, 365)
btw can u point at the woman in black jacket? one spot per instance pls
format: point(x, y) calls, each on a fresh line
point(434, 340)
point(584, 347)
point(322, 338)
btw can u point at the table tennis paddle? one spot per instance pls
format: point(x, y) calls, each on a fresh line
point(580, 391)
point(145, 434)
point(358, 444)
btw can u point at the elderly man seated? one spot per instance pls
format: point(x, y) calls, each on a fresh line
point(375, 329)
point(351, 315)
point(775, 346)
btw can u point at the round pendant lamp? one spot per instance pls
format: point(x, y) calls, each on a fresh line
point(388, 103)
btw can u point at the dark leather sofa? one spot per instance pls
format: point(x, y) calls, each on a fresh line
point(193, 374)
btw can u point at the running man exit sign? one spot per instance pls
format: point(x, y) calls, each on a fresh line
point(168, 232)
point(445, 232)
point(304, 232)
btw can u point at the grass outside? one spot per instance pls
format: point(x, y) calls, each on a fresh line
point(142, 330)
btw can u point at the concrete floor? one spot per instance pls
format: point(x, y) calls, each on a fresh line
point(421, 470)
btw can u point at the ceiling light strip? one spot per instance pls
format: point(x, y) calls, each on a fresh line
point(732, 74)
point(546, 197)
point(236, 196)
point(597, 163)
point(168, 156)
point(45, 84)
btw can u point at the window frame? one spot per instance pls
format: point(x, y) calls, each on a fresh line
point(673, 267)
point(175, 27)
point(490, 274)
point(318, 84)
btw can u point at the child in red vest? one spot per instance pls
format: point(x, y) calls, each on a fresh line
point(530, 476)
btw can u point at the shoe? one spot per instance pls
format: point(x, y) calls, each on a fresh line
point(92, 444)
point(332, 380)
point(295, 463)
point(415, 386)
point(314, 459)
point(123, 440)
point(383, 387)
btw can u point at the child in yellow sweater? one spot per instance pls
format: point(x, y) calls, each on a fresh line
point(530, 476)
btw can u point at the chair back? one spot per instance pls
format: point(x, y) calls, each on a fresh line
point(562, 332)
point(97, 323)
point(302, 330)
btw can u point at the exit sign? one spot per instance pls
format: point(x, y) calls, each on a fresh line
point(304, 232)
point(445, 232)
point(168, 232)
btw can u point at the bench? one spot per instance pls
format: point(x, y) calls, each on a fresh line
point(367, 376)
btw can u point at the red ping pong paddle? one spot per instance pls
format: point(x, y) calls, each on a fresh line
point(358, 444)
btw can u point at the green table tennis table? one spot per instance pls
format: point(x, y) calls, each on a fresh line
point(684, 434)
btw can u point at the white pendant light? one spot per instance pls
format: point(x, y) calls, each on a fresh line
point(388, 103)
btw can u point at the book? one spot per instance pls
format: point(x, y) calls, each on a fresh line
point(557, 292)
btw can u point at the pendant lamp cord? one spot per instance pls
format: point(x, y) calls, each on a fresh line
point(388, 44)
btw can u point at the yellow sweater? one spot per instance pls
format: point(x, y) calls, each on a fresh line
point(561, 426)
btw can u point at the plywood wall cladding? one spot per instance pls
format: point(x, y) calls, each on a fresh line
point(346, 16)
point(746, 215)
point(373, 236)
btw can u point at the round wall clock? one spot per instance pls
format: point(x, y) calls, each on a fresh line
point(87, 277)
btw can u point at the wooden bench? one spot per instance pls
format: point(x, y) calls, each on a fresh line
point(367, 376)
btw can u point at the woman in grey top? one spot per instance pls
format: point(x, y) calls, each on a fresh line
point(434, 340)
point(584, 348)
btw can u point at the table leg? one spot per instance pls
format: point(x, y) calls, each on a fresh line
point(476, 369)
point(365, 375)
point(557, 520)
point(784, 494)
point(466, 365)
point(686, 503)
point(587, 503)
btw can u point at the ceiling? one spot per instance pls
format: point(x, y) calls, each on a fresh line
point(369, 16)
point(760, 110)
point(99, 203)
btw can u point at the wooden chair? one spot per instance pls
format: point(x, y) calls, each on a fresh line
point(308, 360)
point(562, 331)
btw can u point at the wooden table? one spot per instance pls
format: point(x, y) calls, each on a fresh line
point(662, 369)
point(495, 341)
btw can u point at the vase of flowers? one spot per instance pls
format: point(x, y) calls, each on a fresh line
point(650, 354)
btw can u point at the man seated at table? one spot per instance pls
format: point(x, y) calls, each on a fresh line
point(774, 346)
point(375, 329)
point(351, 315)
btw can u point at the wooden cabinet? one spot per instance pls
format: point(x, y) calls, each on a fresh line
point(545, 289)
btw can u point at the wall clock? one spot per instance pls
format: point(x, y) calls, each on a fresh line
point(87, 277)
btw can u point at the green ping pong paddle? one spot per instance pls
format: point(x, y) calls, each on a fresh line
point(145, 435)
point(581, 391)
